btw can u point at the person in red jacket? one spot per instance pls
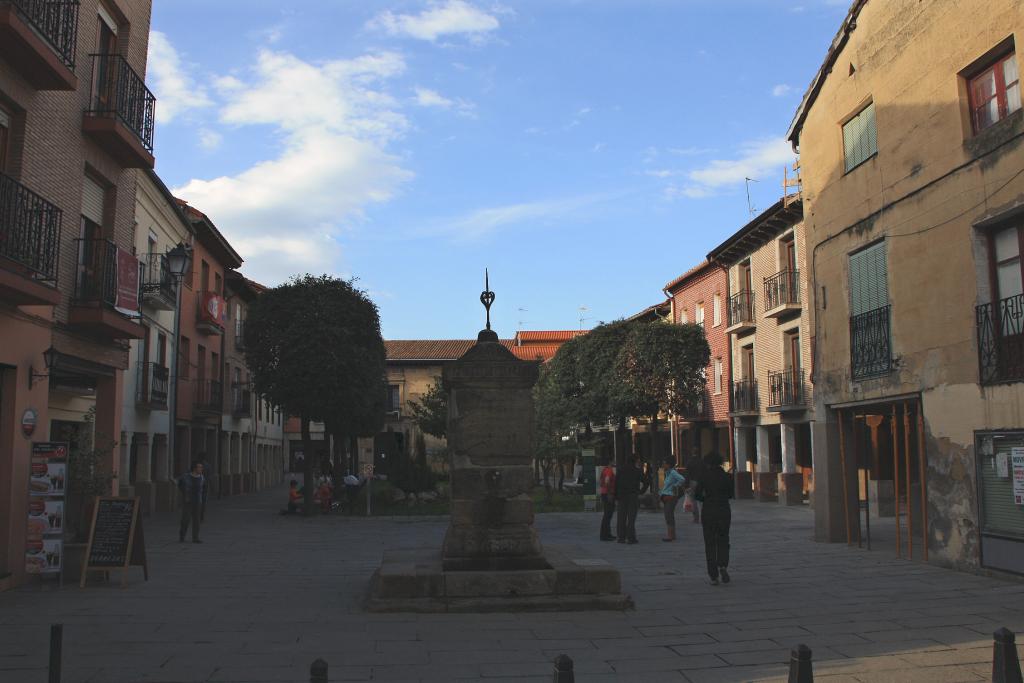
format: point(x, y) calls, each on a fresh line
point(606, 487)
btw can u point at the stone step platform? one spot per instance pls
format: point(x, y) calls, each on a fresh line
point(416, 581)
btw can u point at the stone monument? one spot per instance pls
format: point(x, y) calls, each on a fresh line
point(491, 558)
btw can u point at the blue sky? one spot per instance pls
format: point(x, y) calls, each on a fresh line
point(585, 152)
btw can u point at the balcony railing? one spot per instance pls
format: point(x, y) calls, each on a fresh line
point(239, 334)
point(786, 389)
point(1001, 340)
point(29, 230)
point(157, 280)
point(97, 271)
point(121, 93)
point(741, 308)
point(209, 396)
point(151, 385)
point(241, 400)
point(870, 344)
point(782, 289)
point(698, 409)
point(744, 396)
point(57, 22)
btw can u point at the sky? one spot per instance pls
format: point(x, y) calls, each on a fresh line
point(585, 152)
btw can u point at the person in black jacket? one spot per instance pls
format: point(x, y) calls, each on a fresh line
point(627, 491)
point(714, 489)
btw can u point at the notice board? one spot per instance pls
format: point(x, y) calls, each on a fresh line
point(115, 538)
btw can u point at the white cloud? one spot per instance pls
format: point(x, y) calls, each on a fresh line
point(689, 151)
point(756, 159)
point(426, 97)
point(450, 18)
point(209, 139)
point(175, 89)
point(335, 120)
point(781, 90)
point(598, 147)
point(483, 222)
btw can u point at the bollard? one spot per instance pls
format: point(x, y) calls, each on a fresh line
point(800, 668)
point(563, 670)
point(1005, 663)
point(56, 643)
point(318, 672)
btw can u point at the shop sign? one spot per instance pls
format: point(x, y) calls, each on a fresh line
point(44, 540)
point(28, 421)
point(1017, 456)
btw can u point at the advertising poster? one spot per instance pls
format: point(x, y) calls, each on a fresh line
point(1017, 458)
point(44, 539)
point(127, 297)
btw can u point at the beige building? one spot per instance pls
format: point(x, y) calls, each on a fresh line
point(769, 327)
point(912, 157)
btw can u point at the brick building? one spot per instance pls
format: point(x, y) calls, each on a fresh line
point(699, 296)
point(76, 121)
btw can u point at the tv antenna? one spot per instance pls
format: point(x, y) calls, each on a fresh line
point(520, 322)
point(583, 311)
point(750, 206)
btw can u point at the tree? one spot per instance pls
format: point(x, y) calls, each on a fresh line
point(314, 347)
point(430, 413)
point(556, 417)
point(660, 368)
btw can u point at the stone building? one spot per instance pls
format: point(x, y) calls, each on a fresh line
point(76, 121)
point(911, 139)
point(160, 227)
point(699, 296)
point(769, 328)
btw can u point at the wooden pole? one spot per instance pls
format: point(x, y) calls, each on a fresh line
point(874, 422)
point(921, 454)
point(896, 477)
point(846, 489)
point(856, 468)
point(906, 452)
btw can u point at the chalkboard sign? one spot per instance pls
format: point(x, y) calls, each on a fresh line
point(115, 538)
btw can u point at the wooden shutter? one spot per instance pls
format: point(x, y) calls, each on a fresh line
point(860, 140)
point(869, 287)
point(93, 200)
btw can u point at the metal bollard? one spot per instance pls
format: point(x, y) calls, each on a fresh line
point(563, 670)
point(56, 644)
point(800, 668)
point(1005, 663)
point(318, 671)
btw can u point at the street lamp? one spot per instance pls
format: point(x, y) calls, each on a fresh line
point(179, 260)
point(49, 359)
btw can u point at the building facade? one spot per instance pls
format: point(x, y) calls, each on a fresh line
point(911, 138)
point(76, 121)
point(160, 227)
point(769, 327)
point(699, 296)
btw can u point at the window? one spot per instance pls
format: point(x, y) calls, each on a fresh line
point(869, 289)
point(995, 92)
point(747, 359)
point(217, 283)
point(859, 139)
point(201, 361)
point(394, 398)
point(870, 343)
point(699, 319)
point(215, 365)
point(184, 359)
point(204, 277)
point(161, 349)
point(718, 375)
point(1006, 263)
point(684, 316)
point(717, 311)
point(5, 138)
point(792, 350)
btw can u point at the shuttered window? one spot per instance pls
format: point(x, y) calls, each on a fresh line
point(93, 199)
point(5, 136)
point(869, 289)
point(1000, 515)
point(860, 142)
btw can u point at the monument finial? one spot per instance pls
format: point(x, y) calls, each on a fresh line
point(487, 297)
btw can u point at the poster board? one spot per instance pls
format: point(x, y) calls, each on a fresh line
point(115, 538)
point(44, 539)
point(1017, 460)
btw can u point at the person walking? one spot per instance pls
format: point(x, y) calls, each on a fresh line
point(714, 489)
point(606, 488)
point(193, 495)
point(627, 492)
point(670, 492)
point(694, 466)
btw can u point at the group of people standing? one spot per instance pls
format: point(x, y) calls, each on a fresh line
point(705, 488)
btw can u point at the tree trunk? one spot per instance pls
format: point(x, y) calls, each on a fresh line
point(655, 498)
point(307, 448)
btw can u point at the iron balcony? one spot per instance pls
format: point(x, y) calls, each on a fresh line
point(870, 344)
point(744, 397)
point(29, 245)
point(151, 385)
point(158, 288)
point(782, 293)
point(209, 397)
point(786, 390)
point(740, 312)
point(93, 306)
point(241, 400)
point(122, 114)
point(1001, 340)
point(39, 38)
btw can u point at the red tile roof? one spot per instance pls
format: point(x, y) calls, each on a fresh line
point(430, 349)
point(692, 272)
point(544, 352)
point(548, 336)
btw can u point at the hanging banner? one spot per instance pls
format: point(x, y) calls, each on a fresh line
point(1017, 458)
point(127, 301)
point(44, 539)
point(213, 309)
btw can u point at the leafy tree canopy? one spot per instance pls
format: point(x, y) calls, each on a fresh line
point(661, 367)
point(431, 412)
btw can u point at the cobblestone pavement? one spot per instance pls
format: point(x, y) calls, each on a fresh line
point(266, 595)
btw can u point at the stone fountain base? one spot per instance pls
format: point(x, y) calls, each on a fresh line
point(417, 581)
